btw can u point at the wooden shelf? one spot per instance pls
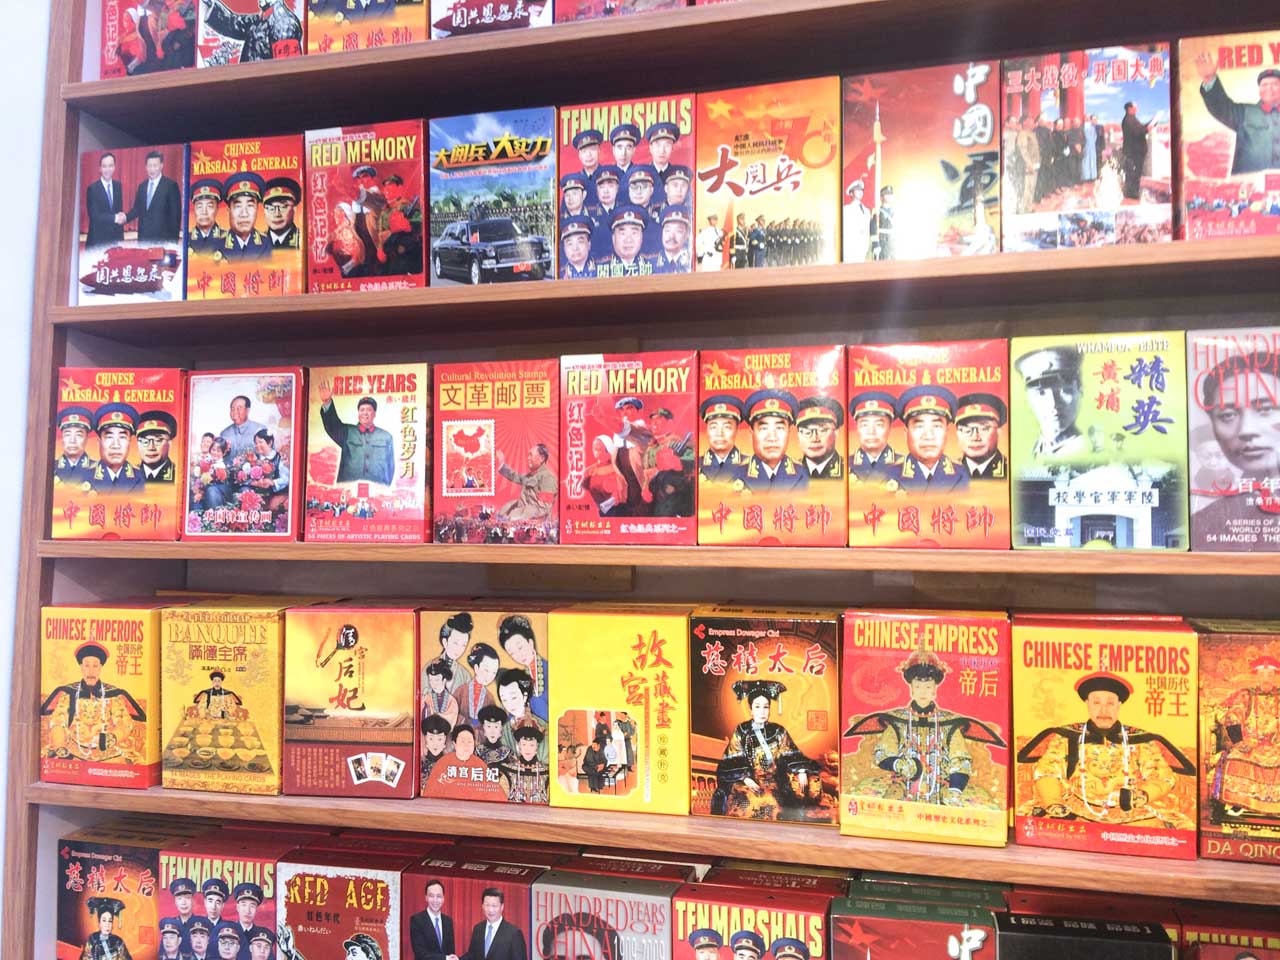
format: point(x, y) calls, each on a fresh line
point(1008, 562)
point(695, 48)
point(788, 843)
point(685, 301)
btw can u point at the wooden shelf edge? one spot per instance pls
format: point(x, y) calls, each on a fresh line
point(791, 843)
point(1010, 562)
point(1083, 269)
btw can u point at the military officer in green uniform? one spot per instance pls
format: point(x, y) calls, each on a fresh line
point(1052, 380)
point(155, 434)
point(114, 474)
point(205, 235)
point(1256, 125)
point(873, 413)
point(248, 897)
point(74, 466)
point(668, 468)
point(723, 462)
point(537, 487)
point(818, 425)
point(105, 944)
point(244, 241)
point(280, 199)
point(979, 417)
point(368, 451)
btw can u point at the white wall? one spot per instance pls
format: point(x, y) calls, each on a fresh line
point(23, 45)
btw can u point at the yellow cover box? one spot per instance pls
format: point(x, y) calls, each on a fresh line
point(221, 669)
point(620, 720)
point(100, 694)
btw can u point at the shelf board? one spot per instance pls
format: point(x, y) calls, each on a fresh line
point(577, 62)
point(460, 312)
point(1009, 562)
point(789, 843)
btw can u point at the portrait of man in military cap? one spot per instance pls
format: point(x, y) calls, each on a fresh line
point(818, 424)
point(156, 429)
point(248, 897)
point(1051, 378)
point(873, 413)
point(91, 719)
point(215, 892)
point(105, 944)
point(573, 195)
point(199, 932)
point(227, 937)
point(74, 466)
point(1103, 770)
point(927, 413)
point(771, 414)
point(115, 424)
point(1256, 125)
point(789, 948)
point(623, 138)
point(244, 241)
point(587, 143)
point(676, 183)
point(706, 944)
point(979, 417)
point(924, 753)
point(662, 138)
point(746, 945)
point(171, 932)
point(675, 222)
point(628, 228)
point(576, 237)
point(723, 462)
point(203, 234)
point(280, 198)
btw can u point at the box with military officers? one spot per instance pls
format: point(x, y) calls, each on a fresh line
point(626, 187)
point(141, 887)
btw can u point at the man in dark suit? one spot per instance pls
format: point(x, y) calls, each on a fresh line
point(494, 938)
point(430, 931)
point(104, 203)
point(157, 205)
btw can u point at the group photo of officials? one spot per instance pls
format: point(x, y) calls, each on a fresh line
point(434, 936)
point(132, 448)
point(623, 218)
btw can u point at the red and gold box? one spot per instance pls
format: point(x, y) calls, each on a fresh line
point(926, 142)
point(764, 740)
point(334, 26)
point(1230, 184)
point(368, 454)
point(497, 432)
point(350, 718)
point(467, 890)
point(1212, 928)
point(931, 760)
point(771, 468)
point(929, 445)
point(114, 477)
point(1105, 731)
point(246, 216)
point(627, 167)
point(1239, 739)
point(107, 892)
point(769, 172)
point(133, 41)
point(228, 877)
point(567, 10)
point(242, 482)
point(365, 207)
point(244, 31)
point(629, 447)
point(93, 731)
